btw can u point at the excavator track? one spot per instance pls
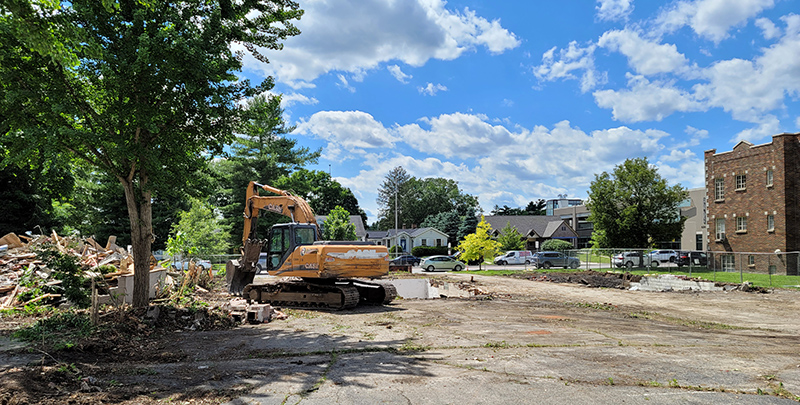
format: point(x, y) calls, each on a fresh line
point(302, 294)
point(375, 293)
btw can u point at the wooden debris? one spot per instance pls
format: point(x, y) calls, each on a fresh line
point(21, 261)
point(12, 240)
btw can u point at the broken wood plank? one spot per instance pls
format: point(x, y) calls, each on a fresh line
point(12, 240)
point(112, 241)
point(41, 297)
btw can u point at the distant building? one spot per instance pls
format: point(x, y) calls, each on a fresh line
point(754, 202)
point(534, 228)
point(407, 239)
point(551, 205)
point(694, 229)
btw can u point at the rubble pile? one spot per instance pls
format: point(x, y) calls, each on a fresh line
point(22, 270)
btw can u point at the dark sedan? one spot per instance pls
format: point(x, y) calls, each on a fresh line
point(693, 258)
point(405, 259)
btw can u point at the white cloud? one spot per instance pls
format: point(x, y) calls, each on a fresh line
point(797, 123)
point(356, 36)
point(290, 99)
point(457, 134)
point(711, 19)
point(682, 166)
point(749, 89)
point(768, 28)
point(398, 74)
point(644, 56)
point(767, 126)
point(613, 10)
point(431, 89)
point(574, 58)
point(343, 83)
point(539, 162)
point(350, 130)
point(645, 100)
point(695, 136)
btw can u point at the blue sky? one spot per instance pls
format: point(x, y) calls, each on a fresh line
point(521, 100)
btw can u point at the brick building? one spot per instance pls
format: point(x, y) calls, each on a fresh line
point(753, 194)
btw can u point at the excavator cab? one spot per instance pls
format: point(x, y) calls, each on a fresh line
point(283, 240)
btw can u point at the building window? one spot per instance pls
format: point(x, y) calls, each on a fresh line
point(769, 178)
point(751, 260)
point(728, 263)
point(719, 189)
point(720, 228)
point(438, 242)
point(741, 224)
point(698, 242)
point(424, 242)
point(741, 181)
point(770, 223)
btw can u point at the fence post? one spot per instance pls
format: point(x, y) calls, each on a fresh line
point(741, 270)
point(769, 268)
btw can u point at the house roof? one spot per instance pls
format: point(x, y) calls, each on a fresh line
point(354, 219)
point(413, 232)
point(542, 226)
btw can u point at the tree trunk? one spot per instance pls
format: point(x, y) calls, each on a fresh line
point(140, 212)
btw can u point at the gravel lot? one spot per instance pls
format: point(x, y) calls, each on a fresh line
point(525, 342)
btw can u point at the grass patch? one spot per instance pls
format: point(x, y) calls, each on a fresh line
point(593, 305)
point(757, 279)
point(59, 331)
point(683, 322)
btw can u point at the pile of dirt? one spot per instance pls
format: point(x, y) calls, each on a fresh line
point(588, 278)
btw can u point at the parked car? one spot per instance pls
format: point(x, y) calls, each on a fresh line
point(514, 257)
point(547, 260)
point(184, 264)
point(432, 263)
point(662, 256)
point(693, 258)
point(406, 259)
point(632, 259)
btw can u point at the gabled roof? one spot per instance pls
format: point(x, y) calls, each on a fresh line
point(354, 219)
point(542, 226)
point(414, 232)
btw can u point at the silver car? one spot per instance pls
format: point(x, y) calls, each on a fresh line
point(442, 263)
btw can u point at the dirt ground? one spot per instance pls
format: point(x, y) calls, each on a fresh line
point(520, 336)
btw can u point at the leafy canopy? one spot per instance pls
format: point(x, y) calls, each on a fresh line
point(337, 226)
point(634, 207)
point(510, 238)
point(479, 245)
point(198, 233)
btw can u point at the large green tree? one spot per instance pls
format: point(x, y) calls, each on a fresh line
point(260, 152)
point(143, 91)
point(419, 198)
point(634, 207)
point(322, 192)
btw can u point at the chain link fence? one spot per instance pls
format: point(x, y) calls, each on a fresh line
point(774, 269)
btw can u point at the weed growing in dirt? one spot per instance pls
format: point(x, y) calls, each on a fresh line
point(594, 305)
point(498, 345)
point(301, 313)
point(59, 331)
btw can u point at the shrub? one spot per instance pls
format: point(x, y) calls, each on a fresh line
point(556, 244)
point(422, 251)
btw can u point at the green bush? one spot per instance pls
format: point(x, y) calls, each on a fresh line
point(556, 244)
point(422, 251)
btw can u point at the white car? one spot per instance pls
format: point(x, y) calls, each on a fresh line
point(663, 256)
point(184, 264)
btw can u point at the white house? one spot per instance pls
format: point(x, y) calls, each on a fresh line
point(407, 239)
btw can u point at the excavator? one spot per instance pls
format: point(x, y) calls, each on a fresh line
point(326, 274)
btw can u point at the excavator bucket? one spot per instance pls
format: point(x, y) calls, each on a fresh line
point(237, 277)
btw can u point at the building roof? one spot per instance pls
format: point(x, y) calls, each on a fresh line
point(542, 226)
point(354, 219)
point(413, 232)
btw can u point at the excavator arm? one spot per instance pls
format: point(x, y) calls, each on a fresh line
point(284, 203)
